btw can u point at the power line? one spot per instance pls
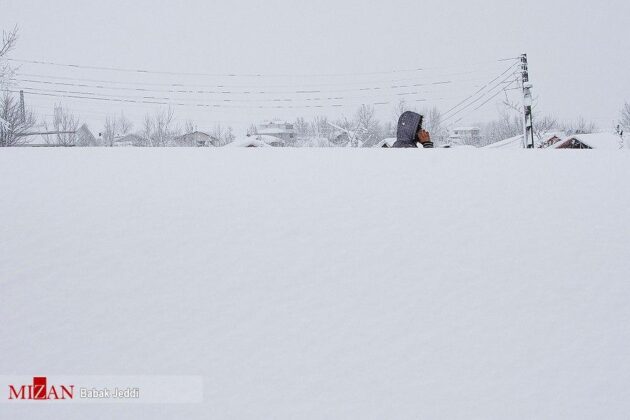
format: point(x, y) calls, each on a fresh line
point(481, 89)
point(444, 78)
point(485, 102)
point(247, 92)
point(160, 101)
point(230, 75)
point(501, 90)
point(232, 99)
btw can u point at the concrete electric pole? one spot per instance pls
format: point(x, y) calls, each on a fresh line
point(528, 125)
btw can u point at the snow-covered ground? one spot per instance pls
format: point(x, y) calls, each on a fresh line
point(311, 284)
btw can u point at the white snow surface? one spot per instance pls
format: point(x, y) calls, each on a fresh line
point(304, 284)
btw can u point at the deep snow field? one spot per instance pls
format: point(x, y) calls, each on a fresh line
point(322, 283)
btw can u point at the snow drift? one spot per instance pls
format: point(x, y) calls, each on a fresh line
point(309, 284)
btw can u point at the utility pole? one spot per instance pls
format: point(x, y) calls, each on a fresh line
point(22, 109)
point(528, 124)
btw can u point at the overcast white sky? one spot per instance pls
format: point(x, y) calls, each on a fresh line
point(578, 50)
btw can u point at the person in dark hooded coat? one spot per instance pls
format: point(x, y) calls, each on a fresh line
point(410, 132)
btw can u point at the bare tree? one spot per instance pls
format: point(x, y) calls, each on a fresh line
point(625, 116)
point(9, 40)
point(433, 124)
point(507, 126)
point(368, 128)
point(389, 129)
point(110, 131)
point(544, 125)
point(222, 135)
point(65, 124)
point(13, 124)
point(346, 132)
point(400, 108)
point(114, 128)
point(580, 126)
point(190, 127)
point(124, 125)
point(320, 128)
point(159, 130)
point(302, 127)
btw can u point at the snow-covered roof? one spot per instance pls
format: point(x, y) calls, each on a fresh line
point(196, 135)
point(247, 142)
point(515, 142)
point(601, 141)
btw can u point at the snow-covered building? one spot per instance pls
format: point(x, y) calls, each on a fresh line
point(465, 135)
point(515, 142)
point(602, 141)
point(85, 138)
point(196, 139)
point(281, 129)
point(549, 140)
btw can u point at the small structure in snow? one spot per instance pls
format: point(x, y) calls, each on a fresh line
point(549, 139)
point(602, 141)
point(272, 141)
point(248, 142)
point(196, 139)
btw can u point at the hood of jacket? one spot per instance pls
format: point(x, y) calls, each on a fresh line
point(408, 125)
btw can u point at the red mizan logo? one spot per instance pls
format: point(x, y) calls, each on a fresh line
point(40, 390)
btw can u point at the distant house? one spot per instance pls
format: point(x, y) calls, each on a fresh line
point(280, 129)
point(85, 138)
point(196, 139)
point(465, 135)
point(129, 140)
point(601, 141)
